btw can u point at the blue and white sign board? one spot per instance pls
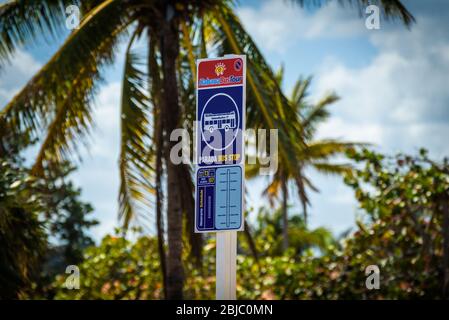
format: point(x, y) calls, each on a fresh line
point(220, 156)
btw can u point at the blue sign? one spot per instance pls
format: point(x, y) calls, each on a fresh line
point(219, 198)
point(220, 146)
point(220, 123)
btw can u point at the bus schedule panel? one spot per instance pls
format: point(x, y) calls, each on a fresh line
point(219, 198)
point(220, 111)
point(220, 116)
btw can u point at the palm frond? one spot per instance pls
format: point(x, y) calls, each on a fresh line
point(300, 92)
point(323, 149)
point(317, 114)
point(267, 107)
point(272, 191)
point(61, 93)
point(308, 183)
point(26, 23)
point(279, 76)
point(252, 170)
point(332, 169)
point(187, 42)
point(21, 22)
point(136, 158)
point(391, 9)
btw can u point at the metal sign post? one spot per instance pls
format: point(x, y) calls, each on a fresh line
point(226, 265)
point(220, 158)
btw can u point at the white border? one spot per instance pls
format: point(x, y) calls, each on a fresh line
point(198, 139)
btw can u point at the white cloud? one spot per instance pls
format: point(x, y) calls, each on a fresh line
point(395, 97)
point(338, 127)
point(400, 100)
point(98, 174)
point(108, 104)
point(333, 21)
point(106, 117)
point(15, 75)
point(277, 25)
point(4, 94)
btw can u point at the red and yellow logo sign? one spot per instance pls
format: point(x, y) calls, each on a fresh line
point(220, 72)
point(220, 68)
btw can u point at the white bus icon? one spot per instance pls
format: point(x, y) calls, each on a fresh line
point(215, 121)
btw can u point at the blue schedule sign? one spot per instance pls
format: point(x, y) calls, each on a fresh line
point(220, 123)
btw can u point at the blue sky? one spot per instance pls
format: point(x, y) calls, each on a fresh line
point(392, 81)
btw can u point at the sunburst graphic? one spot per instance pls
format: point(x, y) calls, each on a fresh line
point(220, 69)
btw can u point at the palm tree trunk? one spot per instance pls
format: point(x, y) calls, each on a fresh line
point(169, 53)
point(158, 115)
point(251, 242)
point(187, 191)
point(159, 203)
point(159, 225)
point(284, 215)
point(304, 210)
point(195, 239)
point(302, 195)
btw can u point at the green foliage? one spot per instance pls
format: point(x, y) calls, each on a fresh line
point(310, 151)
point(22, 236)
point(117, 269)
point(31, 211)
point(56, 104)
point(135, 154)
point(406, 199)
point(66, 216)
point(267, 234)
point(401, 233)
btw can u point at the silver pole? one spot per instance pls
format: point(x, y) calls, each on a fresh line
point(226, 265)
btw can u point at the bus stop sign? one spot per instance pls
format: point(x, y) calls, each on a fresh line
point(220, 123)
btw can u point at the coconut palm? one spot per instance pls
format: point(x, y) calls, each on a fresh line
point(56, 105)
point(315, 153)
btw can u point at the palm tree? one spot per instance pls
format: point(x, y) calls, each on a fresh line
point(56, 104)
point(268, 234)
point(315, 153)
